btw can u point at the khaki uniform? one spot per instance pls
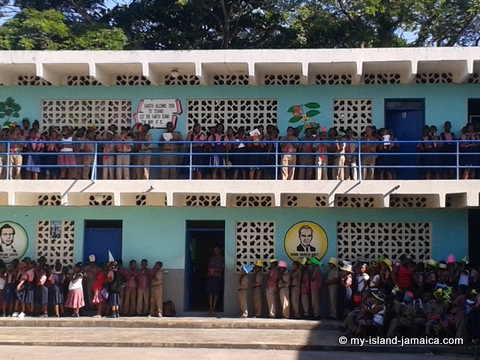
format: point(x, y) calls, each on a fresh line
point(272, 288)
point(289, 159)
point(242, 295)
point(295, 292)
point(144, 159)
point(170, 160)
point(351, 167)
point(87, 159)
point(123, 159)
point(156, 296)
point(257, 293)
point(332, 292)
point(108, 162)
point(405, 317)
point(91, 273)
point(284, 285)
point(306, 147)
point(339, 160)
point(130, 301)
point(16, 160)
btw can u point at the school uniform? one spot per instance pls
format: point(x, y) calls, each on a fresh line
point(458, 310)
point(242, 295)
point(90, 276)
point(315, 286)
point(30, 289)
point(405, 317)
point(123, 159)
point(144, 159)
point(16, 160)
point(109, 161)
point(289, 159)
point(305, 291)
point(338, 173)
point(332, 292)
point(351, 167)
point(9, 295)
point(156, 298)
point(42, 290)
point(322, 161)
point(309, 160)
point(295, 279)
point(272, 287)
point(56, 290)
point(76, 148)
point(169, 156)
point(143, 292)
point(88, 158)
point(257, 293)
point(129, 304)
point(284, 286)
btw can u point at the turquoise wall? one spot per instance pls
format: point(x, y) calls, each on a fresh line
point(442, 101)
point(159, 233)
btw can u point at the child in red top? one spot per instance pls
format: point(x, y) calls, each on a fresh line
point(98, 298)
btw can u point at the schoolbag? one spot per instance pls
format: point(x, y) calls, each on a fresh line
point(168, 309)
point(118, 283)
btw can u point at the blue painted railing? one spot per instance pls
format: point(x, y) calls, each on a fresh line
point(459, 164)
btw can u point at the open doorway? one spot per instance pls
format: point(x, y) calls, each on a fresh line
point(473, 240)
point(473, 111)
point(201, 238)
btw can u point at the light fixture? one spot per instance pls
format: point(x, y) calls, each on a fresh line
point(174, 74)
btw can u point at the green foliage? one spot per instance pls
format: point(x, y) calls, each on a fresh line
point(47, 30)
point(9, 109)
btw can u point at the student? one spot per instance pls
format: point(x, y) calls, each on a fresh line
point(42, 290)
point(9, 296)
point(272, 158)
point(288, 158)
point(113, 290)
point(284, 287)
point(471, 159)
point(130, 304)
point(56, 289)
point(16, 159)
point(458, 310)
point(123, 158)
point(34, 147)
point(144, 278)
point(108, 157)
point(51, 159)
point(29, 299)
point(216, 265)
point(368, 160)
point(347, 281)
point(338, 173)
point(75, 299)
point(272, 287)
point(374, 315)
point(374, 282)
point(242, 291)
point(90, 277)
point(430, 280)
point(170, 152)
point(66, 160)
point(156, 299)
point(351, 166)
point(315, 286)
point(295, 280)
point(448, 148)
point(257, 288)
point(198, 148)
point(405, 315)
point(21, 290)
point(305, 288)
point(332, 283)
point(98, 299)
point(78, 139)
point(257, 150)
point(429, 147)
point(403, 275)
point(306, 147)
point(218, 149)
point(385, 159)
point(239, 158)
point(322, 158)
point(143, 160)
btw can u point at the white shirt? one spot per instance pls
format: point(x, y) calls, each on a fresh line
point(75, 285)
point(362, 282)
point(69, 140)
point(463, 280)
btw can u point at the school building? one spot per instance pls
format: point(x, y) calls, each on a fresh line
point(180, 221)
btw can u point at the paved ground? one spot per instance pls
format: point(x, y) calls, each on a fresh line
point(62, 353)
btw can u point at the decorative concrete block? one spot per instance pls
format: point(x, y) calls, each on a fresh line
point(415, 201)
point(456, 201)
point(143, 199)
point(3, 198)
point(38, 199)
point(359, 201)
point(250, 200)
point(304, 200)
point(196, 200)
point(91, 199)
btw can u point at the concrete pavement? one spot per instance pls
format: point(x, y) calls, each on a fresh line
point(62, 353)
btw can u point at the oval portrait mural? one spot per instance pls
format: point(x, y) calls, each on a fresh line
point(14, 241)
point(304, 240)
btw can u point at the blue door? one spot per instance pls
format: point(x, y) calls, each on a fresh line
point(406, 124)
point(100, 241)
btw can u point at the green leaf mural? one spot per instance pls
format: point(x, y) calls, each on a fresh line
point(312, 113)
point(312, 105)
point(295, 119)
point(9, 108)
point(300, 128)
point(291, 109)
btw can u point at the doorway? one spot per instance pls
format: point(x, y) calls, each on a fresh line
point(406, 118)
point(201, 238)
point(102, 236)
point(473, 111)
point(473, 240)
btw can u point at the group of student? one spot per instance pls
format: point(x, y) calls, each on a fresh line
point(413, 299)
point(241, 154)
point(29, 288)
